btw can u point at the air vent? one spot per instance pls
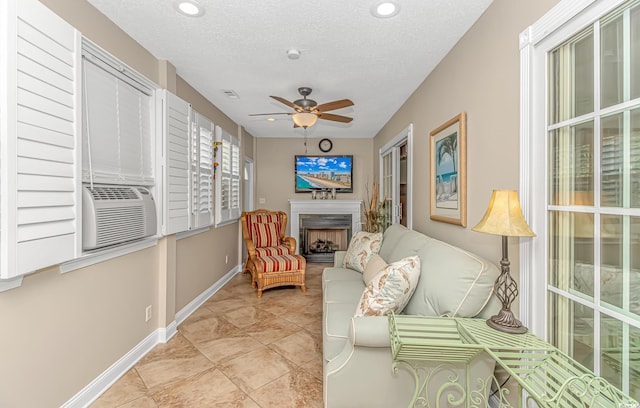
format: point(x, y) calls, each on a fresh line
point(113, 193)
point(230, 93)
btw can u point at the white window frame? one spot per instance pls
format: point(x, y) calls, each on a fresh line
point(566, 18)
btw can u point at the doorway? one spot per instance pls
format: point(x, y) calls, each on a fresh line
point(396, 178)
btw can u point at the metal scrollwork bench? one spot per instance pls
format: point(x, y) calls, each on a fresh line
point(548, 377)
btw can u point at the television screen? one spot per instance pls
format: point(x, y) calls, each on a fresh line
point(324, 172)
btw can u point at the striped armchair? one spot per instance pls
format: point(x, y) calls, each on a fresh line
point(271, 257)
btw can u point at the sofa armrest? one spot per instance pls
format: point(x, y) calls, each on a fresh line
point(370, 331)
point(338, 258)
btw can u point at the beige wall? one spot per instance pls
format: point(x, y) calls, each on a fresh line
point(275, 163)
point(61, 331)
point(480, 76)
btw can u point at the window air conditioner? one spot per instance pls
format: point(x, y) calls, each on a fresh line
point(116, 214)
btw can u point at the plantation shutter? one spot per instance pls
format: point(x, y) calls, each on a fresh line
point(228, 187)
point(202, 183)
point(176, 164)
point(40, 132)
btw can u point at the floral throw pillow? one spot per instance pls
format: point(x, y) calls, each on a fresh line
point(362, 247)
point(391, 289)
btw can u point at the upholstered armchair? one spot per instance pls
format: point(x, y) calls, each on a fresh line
point(271, 258)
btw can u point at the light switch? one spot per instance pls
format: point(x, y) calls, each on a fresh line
point(262, 200)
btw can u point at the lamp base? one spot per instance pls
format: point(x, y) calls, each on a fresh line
point(506, 322)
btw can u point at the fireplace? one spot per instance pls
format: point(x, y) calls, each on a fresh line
point(325, 220)
point(323, 234)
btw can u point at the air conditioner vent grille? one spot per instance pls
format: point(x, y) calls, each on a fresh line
point(120, 224)
point(113, 193)
point(115, 214)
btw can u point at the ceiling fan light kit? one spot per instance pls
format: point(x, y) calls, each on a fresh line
point(304, 119)
point(307, 111)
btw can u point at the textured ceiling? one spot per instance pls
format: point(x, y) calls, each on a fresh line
point(241, 45)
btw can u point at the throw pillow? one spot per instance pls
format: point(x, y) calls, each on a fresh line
point(374, 266)
point(266, 235)
point(391, 289)
point(362, 247)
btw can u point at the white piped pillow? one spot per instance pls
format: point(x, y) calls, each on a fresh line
point(391, 289)
point(362, 247)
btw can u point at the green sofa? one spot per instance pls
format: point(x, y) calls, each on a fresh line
point(356, 350)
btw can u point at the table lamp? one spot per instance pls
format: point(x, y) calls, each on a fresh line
point(504, 217)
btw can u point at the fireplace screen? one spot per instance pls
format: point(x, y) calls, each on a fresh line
point(323, 234)
point(326, 240)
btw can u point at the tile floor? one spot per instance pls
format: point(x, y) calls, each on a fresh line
point(235, 351)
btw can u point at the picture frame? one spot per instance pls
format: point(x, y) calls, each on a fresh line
point(448, 176)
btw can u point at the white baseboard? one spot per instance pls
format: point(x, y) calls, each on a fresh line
point(186, 311)
point(167, 333)
point(105, 380)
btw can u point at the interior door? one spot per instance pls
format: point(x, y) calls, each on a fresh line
point(396, 178)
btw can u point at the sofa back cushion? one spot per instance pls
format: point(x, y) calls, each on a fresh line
point(453, 282)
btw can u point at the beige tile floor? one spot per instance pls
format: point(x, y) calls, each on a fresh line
point(235, 351)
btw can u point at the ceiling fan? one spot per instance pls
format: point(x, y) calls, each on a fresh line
point(307, 111)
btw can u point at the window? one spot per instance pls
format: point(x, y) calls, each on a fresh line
point(187, 166)
point(118, 122)
point(228, 179)
point(589, 222)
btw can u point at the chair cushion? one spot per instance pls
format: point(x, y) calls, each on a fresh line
point(391, 289)
point(271, 251)
point(266, 234)
point(361, 248)
point(279, 263)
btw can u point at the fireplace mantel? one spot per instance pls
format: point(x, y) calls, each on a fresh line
point(299, 207)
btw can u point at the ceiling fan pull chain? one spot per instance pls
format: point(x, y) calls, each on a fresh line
point(305, 140)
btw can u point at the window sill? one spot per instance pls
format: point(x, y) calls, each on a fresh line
point(187, 234)
point(106, 254)
point(227, 222)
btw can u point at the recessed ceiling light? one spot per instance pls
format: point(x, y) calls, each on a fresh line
point(271, 119)
point(385, 9)
point(189, 8)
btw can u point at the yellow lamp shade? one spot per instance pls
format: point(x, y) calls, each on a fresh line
point(504, 216)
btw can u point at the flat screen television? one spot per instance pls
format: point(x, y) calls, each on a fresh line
point(324, 173)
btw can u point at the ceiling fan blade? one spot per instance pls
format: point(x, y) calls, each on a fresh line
point(342, 103)
point(286, 102)
point(269, 114)
point(336, 118)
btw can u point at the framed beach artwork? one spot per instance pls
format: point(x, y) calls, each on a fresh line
point(448, 177)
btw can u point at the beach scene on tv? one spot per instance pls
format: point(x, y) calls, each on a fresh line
point(316, 172)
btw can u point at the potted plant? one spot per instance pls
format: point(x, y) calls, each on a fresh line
point(375, 214)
